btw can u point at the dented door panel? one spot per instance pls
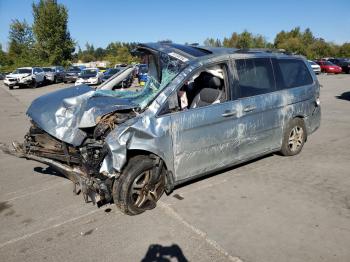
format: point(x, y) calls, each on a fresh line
point(204, 139)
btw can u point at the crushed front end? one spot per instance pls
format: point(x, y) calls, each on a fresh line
point(81, 164)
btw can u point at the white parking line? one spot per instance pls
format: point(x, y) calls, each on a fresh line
point(205, 184)
point(172, 213)
point(14, 240)
point(36, 192)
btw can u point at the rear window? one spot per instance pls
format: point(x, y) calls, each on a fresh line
point(255, 77)
point(294, 73)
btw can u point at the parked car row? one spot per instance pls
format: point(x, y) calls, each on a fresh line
point(331, 65)
point(36, 76)
point(54, 74)
point(25, 76)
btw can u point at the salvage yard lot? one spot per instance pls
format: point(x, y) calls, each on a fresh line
point(272, 209)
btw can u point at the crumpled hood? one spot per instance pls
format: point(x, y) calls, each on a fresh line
point(63, 113)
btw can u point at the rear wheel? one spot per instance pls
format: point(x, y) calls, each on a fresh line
point(139, 187)
point(294, 137)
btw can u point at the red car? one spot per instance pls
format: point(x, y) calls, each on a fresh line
point(329, 67)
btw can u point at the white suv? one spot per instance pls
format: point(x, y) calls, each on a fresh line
point(89, 76)
point(25, 76)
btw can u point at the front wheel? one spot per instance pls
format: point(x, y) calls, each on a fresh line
point(34, 84)
point(294, 137)
point(140, 185)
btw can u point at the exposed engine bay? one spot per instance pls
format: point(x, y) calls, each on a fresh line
point(85, 161)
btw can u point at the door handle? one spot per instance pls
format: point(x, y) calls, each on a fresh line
point(249, 108)
point(229, 113)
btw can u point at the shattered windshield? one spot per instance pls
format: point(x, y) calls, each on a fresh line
point(156, 81)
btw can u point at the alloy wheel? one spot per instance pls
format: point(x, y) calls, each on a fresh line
point(296, 138)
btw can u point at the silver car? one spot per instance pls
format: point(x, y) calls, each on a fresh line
point(201, 110)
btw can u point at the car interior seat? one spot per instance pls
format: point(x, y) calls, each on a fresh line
point(209, 89)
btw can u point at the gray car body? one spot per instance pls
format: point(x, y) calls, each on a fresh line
point(57, 74)
point(191, 143)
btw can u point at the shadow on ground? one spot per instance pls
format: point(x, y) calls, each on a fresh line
point(205, 176)
point(159, 253)
point(344, 96)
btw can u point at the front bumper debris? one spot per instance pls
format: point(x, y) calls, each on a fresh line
point(93, 189)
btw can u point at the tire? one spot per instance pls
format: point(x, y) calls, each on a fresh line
point(10, 87)
point(294, 137)
point(131, 191)
point(34, 84)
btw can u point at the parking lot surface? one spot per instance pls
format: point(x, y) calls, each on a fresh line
point(271, 209)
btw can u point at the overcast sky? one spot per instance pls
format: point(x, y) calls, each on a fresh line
point(101, 22)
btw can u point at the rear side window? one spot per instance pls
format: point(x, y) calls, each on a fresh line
point(255, 77)
point(294, 73)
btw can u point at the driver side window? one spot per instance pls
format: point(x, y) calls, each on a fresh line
point(206, 87)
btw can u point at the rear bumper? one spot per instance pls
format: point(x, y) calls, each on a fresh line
point(333, 71)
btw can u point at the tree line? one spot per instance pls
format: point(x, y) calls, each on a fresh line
point(115, 52)
point(294, 41)
point(48, 42)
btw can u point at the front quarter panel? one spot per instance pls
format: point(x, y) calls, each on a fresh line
point(145, 133)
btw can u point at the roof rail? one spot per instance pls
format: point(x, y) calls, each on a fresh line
point(263, 50)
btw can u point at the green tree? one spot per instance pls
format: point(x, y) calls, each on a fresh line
point(99, 53)
point(245, 40)
point(5, 63)
point(53, 41)
point(21, 38)
point(231, 41)
point(344, 50)
point(21, 42)
point(305, 43)
point(212, 42)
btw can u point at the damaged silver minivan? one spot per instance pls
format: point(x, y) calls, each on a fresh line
point(201, 110)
